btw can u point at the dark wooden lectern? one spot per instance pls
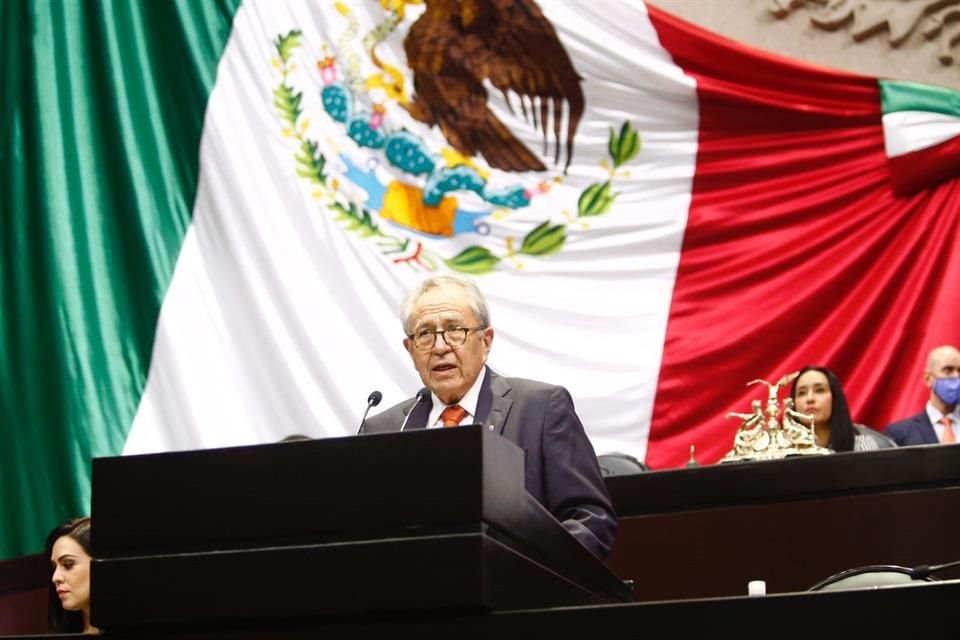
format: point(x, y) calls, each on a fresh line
point(430, 520)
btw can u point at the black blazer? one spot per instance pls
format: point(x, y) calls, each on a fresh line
point(913, 430)
point(561, 468)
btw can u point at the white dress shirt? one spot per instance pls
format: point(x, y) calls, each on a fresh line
point(935, 415)
point(468, 402)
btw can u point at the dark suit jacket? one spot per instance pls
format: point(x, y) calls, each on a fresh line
point(561, 470)
point(913, 430)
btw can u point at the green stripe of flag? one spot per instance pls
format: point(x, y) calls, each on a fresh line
point(909, 96)
point(101, 121)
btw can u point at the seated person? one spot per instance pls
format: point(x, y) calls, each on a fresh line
point(939, 422)
point(68, 602)
point(816, 391)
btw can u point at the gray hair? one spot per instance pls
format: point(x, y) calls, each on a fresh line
point(475, 299)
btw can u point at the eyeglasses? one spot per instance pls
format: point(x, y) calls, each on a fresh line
point(453, 336)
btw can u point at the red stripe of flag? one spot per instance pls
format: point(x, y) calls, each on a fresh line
point(796, 249)
point(922, 168)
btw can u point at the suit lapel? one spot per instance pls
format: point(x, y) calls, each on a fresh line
point(493, 405)
point(420, 414)
point(926, 428)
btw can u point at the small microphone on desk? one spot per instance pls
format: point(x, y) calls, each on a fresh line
point(372, 400)
point(422, 395)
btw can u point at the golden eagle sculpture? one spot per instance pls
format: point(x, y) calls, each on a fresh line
point(456, 45)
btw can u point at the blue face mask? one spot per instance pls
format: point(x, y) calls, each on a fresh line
point(948, 390)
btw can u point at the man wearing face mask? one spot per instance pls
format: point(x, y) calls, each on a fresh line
point(939, 422)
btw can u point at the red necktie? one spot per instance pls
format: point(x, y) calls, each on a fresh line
point(452, 415)
point(948, 437)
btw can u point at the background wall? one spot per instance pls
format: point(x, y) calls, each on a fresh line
point(922, 33)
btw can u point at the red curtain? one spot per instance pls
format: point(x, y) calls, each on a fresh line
point(796, 251)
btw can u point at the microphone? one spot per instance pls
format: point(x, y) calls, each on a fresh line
point(423, 394)
point(924, 570)
point(372, 400)
point(882, 574)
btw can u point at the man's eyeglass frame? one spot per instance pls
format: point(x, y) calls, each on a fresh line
point(416, 337)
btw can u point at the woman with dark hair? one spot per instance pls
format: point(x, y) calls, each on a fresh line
point(68, 603)
point(817, 391)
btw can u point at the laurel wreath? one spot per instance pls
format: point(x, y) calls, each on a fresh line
point(545, 239)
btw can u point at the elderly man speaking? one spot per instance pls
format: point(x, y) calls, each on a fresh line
point(448, 337)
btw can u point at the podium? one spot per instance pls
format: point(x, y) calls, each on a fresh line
point(426, 521)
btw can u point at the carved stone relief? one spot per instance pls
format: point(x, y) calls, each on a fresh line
point(937, 20)
point(917, 40)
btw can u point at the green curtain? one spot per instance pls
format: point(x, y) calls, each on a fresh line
point(102, 112)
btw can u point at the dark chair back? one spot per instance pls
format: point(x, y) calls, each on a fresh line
point(882, 440)
point(620, 464)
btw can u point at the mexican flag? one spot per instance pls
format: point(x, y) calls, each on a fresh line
point(211, 211)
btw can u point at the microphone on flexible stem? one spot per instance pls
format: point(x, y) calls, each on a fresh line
point(372, 400)
point(924, 570)
point(422, 395)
